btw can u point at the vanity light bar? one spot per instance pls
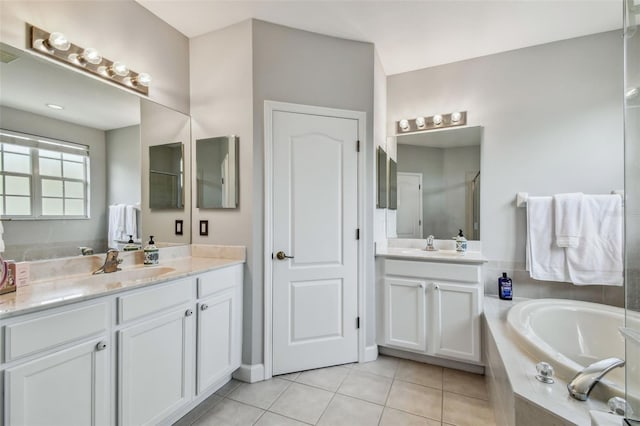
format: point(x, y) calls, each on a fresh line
point(438, 121)
point(56, 46)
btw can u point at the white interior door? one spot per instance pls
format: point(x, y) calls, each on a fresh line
point(315, 211)
point(409, 215)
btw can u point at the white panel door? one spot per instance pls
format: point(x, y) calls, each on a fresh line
point(405, 314)
point(315, 210)
point(457, 321)
point(67, 388)
point(409, 214)
point(218, 352)
point(155, 368)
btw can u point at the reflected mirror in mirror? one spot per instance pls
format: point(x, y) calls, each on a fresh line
point(393, 185)
point(217, 172)
point(166, 176)
point(381, 161)
point(439, 183)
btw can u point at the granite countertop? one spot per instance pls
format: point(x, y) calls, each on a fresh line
point(410, 253)
point(53, 292)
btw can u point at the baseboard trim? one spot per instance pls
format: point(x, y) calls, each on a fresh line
point(370, 353)
point(442, 362)
point(249, 373)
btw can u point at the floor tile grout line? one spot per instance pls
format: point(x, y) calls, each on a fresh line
point(325, 409)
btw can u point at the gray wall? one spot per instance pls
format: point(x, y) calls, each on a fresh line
point(552, 117)
point(264, 61)
point(120, 30)
point(123, 165)
point(37, 239)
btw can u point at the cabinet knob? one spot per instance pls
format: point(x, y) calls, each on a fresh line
point(188, 313)
point(436, 286)
point(101, 346)
point(421, 285)
point(204, 307)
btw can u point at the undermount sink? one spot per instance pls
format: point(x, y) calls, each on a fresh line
point(133, 274)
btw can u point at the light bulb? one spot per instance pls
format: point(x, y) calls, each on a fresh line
point(455, 117)
point(404, 125)
point(143, 79)
point(437, 119)
point(120, 69)
point(631, 93)
point(420, 123)
point(92, 56)
point(59, 41)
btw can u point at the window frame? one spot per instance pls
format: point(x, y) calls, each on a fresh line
point(36, 144)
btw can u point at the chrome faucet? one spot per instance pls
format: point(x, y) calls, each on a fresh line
point(110, 263)
point(581, 385)
point(430, 240)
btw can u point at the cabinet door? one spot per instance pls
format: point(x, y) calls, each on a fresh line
point(69, 387)
point(405, 314)
point(155, 367)
point(218, 343)
point(456, 323)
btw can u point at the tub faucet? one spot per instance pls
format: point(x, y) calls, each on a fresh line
point(110, 263)
point(430, 246)
point(581, 385)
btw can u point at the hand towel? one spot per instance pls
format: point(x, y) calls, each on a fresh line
point(116, 225)
point(131, 221)
point(598, 259)
point(568, 218)
point(546, 261)
point(1, 237)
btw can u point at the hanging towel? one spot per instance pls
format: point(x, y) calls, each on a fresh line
point(1, 237)
point(131, 221)
point(598, 257)
point(545, 260)
point(116, 224)
point(568, 218)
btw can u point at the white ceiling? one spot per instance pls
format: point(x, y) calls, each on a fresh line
point(446, 138)
point(409, 35)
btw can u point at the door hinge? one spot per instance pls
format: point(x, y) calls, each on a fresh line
point(357, 322)
point(419, 187)
point(357, 146)
point(358, 234)
point(419, 224)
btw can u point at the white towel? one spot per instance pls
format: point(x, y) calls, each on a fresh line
point(568, 218)
point(116, 224)
point(545, 260)
point(1, 237)
point(131, 221)
point(598, 257)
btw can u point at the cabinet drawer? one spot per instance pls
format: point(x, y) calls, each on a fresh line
point(214, 281)
point(433, 270)
point(28, 337)
point(156, 299)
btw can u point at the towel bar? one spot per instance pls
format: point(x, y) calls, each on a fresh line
point(521, 197)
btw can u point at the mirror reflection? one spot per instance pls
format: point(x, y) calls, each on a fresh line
point(83, 161)
point(166, 176)
point(217, 172)
point(438, 183)
point(381, 167)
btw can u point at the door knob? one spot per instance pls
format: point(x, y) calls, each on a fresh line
point(281, 256)
point(101, 346)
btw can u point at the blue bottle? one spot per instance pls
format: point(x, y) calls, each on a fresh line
point(505, 287)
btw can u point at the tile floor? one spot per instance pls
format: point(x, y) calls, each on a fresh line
point(388, 391)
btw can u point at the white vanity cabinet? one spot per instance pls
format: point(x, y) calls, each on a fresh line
point(432, 308)
point(139, 357)
point(57, 367)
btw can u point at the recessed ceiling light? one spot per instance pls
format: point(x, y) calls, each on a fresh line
point(54, 106)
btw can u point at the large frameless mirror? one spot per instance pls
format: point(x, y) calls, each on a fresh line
point(217, 172)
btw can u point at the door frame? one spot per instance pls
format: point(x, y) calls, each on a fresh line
point(269, 108)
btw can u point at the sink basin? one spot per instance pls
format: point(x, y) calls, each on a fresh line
point(133, 274)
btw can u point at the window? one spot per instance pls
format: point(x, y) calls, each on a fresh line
point(42, 178)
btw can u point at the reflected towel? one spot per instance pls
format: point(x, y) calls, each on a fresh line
point(116, 224)
point(131, 221)
point(568, 218)
point(598, 257)
point(1, 237)
point(545, 260)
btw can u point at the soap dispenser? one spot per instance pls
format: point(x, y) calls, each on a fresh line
point(461, 242)
point(131, 245)
point(151, 253)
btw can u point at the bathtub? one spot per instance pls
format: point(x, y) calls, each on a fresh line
point(570, 335)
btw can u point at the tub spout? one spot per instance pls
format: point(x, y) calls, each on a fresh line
point(581, 385)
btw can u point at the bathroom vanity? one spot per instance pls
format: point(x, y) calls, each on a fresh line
point(431, 302)
point(125, 348)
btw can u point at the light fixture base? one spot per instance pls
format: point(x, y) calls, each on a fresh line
point(437, 121)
